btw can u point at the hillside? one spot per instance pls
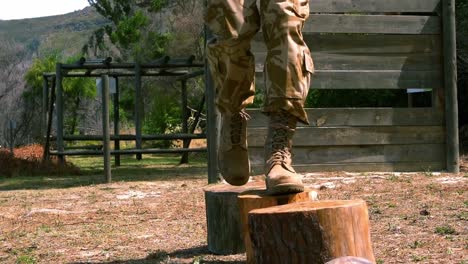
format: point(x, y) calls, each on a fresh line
point(66, 32)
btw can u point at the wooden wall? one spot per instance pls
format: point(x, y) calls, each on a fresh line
point(368, 44)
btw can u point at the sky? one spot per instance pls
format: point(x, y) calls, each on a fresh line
point(17, 9)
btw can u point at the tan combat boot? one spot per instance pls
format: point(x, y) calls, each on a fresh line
point(280, 175)
point(233, 158)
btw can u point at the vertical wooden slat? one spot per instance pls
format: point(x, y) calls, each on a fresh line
point(46, 155)
point(117, 121)
point(450, 77)
point(138, 109)
point(45, 100)
point(59, 88)
point(105, 128)
point(184, 159)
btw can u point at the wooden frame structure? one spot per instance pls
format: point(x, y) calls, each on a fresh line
point(182, 69)
point(375, 44)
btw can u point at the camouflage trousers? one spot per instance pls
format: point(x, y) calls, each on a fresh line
point(288, 65)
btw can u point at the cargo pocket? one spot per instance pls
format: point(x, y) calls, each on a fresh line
point(308, 63)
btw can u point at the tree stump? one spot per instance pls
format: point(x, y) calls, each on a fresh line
point(349, 260)
point(222, 217)
point(257, 199)
point(311, 232)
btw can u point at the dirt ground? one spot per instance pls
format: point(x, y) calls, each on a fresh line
point(414, 217)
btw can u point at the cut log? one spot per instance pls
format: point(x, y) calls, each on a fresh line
point(349, 260)
point(222, 217)
point(311, 232)
point(257, 199)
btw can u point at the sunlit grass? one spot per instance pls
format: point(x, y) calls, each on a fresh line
point(150, 168)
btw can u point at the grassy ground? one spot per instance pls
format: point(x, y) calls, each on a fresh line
point(154, 212)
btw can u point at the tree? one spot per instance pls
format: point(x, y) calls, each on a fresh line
point(75, 90)
point(131, 29)
point(13, 62)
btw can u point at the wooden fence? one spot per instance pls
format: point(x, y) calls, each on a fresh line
point(375, 44)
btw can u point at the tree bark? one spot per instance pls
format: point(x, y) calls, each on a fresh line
point(311, 232)
point(257, 199)
point(222, 217)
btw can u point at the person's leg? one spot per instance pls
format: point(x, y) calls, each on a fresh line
point(234, 23)
point(288, 69)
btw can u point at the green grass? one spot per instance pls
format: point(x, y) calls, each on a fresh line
point(150, 168)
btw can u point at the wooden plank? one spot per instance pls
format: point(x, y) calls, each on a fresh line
point(60, 111)
point(450, 85)
point(363, 167)
point(357, 154)
point(369, 79)
point(105, 93)
point(312, 136)
point(371, 6)
point(364, 44)
point(330, 61)
point(335, 117)
point(373, 24)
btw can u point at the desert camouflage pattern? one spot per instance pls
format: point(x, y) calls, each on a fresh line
point(288, 65)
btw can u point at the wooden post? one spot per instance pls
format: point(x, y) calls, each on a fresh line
point(222, 217)
point(138, 109)
point(60, 110)
point(185, 157)
point(117, 121)
point(258, 199)
point(105, 128)
point(46, 156)
point(212, 120)
point(311, 232)
point(450, 77)
point(45, 100)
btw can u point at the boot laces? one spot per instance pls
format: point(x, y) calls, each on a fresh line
point(280, 140)
point(237, 127)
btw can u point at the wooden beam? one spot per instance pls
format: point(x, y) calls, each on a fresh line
point(105, 128)
point(364, 167)
point(127, 152)
point(60, 111)
point(138, 109)
point(212, 120)
point(133, 137)
point(450, 76)
point(375, 6)
point(359, 153)
point(373, 24)
point(342, 117)
point(349, 136)
point(117, 120)
point(45, 105)
point(365, 44)
point(184, 117)
point(370, 79)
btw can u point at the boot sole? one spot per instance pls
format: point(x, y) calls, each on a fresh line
point(285, 189)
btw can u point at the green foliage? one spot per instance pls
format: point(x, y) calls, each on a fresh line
point(164, 116)
point(128, 30)
point(445, 230)
point(74, 89)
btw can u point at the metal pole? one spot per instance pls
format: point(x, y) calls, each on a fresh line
point(116, 121)
point(138, 109)
point(59, 88)
point(185, 157)
point(105, 128)
point(450, 74)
